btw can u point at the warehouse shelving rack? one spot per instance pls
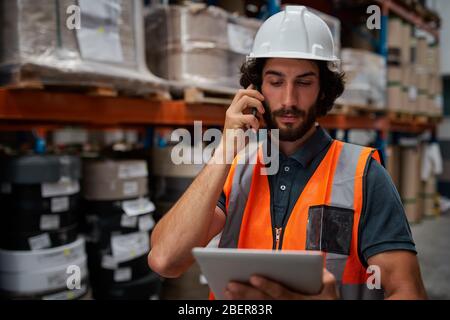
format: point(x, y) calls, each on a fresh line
point(27, 109)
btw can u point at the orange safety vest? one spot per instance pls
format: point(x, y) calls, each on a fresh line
point(338, 182)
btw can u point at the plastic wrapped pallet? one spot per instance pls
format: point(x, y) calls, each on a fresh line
point(38, 43)
point(365, 78)
point(187, 43)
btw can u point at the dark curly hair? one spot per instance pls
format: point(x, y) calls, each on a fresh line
point(331, 83)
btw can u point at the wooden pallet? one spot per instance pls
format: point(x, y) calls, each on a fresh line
point(202, 95)
point(25, 79)
point(418, 118)
point(355, 110)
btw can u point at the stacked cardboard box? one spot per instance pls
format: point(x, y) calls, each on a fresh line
point(410, 182)
point(413, 71)
point(393, 164)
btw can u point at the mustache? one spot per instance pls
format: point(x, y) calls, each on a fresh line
point(289, 112)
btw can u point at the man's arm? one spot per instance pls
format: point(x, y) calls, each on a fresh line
point(400, 275)
point(194, 219)
point(192, 222)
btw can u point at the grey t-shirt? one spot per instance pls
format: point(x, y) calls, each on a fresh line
point(383, 224)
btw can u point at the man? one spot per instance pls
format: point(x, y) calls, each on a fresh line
point(328, 195)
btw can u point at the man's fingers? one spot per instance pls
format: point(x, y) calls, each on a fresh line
point(270, 288)
point(249, 102)
point(250, 121)
point(239, 291)
point(247, 92)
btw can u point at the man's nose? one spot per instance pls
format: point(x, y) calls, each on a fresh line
point(289, 96)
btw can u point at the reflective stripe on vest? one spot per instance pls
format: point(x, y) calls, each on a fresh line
point(337, 182)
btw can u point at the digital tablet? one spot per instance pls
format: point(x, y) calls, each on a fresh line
point(300, 271)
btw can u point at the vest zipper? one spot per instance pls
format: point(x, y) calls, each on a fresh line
point(277, 238)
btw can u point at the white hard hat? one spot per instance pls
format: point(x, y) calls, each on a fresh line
point(294, 33)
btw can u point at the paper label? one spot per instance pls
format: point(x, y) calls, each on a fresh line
point(108, 262)
point(130, 188)
point(135, 170)
point(129, 246)
point(146, 222)
point(122, 274)
point(61, 188)
point(59, 204)
point(138, 206)
point(128, 222)
point(99, 37)
point(41, 241)
point(50, 222)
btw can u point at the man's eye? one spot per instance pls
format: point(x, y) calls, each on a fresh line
point(304, 83)
point(276, 83)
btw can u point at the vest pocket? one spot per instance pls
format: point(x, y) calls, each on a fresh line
point(329, 229)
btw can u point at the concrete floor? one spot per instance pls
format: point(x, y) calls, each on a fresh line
point(432, 238)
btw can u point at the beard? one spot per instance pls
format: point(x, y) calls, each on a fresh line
point(291, 132)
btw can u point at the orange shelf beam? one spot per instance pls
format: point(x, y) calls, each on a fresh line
point(40, 109)
point(40, 106)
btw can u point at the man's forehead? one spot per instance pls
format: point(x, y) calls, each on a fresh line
point(290, 66)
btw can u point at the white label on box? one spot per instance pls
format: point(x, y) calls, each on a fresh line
point(138, 206)
point(122, 274)
point(412, 93)
point(127, 221)
point(129, 246)
point(98, 37)
point(146, 222)
point(135, 170)
point(6, 188)
point(59, 204)
point(240, 38)
point(61, 188)
point(41, 241)
point(130, 188)
point(108, 262)
point(61, 257)
point(49, 222)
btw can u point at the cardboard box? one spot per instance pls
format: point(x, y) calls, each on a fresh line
point(406, 43)
point(393, 164)
point(430, 197)
point(421, 51)
point(394, 88)
point(409, 181)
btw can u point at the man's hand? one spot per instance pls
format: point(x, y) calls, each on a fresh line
point(264, 289)
point(236, 118)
